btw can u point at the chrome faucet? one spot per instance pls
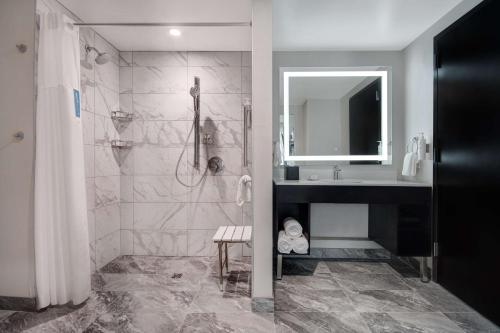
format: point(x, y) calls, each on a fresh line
point(336, 172)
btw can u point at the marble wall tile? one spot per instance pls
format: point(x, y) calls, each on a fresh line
point(125, 80)
point(218, 79)
point(127, 216)
point(107, 220)
point(215, 59)
point(246, 80)
point(159, 59)
point(107, 248)
point(220, 107)
point(216, 189)
point(125, 58)
point(105, 131)
point(126, 103)
point(126, 189)
point(88, 155)
point(167, 80)
point(152, 160)
point(127, 160)
point(161, 133)
point(160, 216)
point(87, 85)
point(226, 134)
point(212, 215)
point(170, 243)
point(105, 161)
point(107, 190)
point(126, 242)
point(90, 189)
point(106, 100)
point(163, 106)
point(88, 127)
point(158, 189)
point(232, 157)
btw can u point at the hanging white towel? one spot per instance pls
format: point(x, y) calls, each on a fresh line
point(410, 165)
point(284, 242)
point(292, 227)
point(300, 245)
point(244, 192)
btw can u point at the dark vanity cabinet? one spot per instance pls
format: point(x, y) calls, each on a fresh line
point(399, 215)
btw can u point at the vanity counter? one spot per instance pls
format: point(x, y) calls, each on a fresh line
point(351, 182)
point(399, 212)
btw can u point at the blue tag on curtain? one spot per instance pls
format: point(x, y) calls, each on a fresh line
point(76, 98)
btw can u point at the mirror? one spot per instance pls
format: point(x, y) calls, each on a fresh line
point(336, 116)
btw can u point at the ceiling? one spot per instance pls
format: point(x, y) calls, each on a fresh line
point(314, 25)
point(158, 38)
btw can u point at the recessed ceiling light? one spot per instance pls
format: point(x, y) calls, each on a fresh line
point(175, 32)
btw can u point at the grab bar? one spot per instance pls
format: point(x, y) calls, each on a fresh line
point(247, 124)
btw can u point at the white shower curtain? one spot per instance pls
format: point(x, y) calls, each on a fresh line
point(61, 231)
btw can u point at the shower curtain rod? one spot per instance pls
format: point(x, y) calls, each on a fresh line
point(173, 24)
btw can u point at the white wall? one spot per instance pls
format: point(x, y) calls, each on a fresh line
point(262, 270)
point(419, 85)
point(17, 25)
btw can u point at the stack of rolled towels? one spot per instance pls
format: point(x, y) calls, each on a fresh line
point(292, 238)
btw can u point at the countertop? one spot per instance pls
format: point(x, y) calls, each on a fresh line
point(352, 182)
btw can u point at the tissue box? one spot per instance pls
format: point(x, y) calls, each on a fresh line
point(291, 173)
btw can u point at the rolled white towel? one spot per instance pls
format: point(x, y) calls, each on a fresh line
point(292, 227)
point(300, 245)
point(284, 243)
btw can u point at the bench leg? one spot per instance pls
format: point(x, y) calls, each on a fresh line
point(220, 266)
point(279, 267)
point(227, 261)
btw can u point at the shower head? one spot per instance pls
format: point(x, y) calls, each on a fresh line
point(101, 58)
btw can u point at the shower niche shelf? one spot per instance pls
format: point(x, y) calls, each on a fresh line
point(122, 116)
point(121, 144)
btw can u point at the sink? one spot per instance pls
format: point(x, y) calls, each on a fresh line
point(340, 181)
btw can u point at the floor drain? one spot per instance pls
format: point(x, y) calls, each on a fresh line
point(177, 276)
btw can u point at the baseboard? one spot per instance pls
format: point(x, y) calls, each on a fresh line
point(17, 303)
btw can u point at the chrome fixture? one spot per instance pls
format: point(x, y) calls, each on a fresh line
point(247, 124)
point(336, 172)
point(216, 165)
point(101, 58)
point(121, 144)
point(195, 93)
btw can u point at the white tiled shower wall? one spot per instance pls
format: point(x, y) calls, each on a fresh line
point(99, 96)
point(158, 215)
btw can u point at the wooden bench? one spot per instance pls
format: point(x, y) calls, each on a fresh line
point(230, 234)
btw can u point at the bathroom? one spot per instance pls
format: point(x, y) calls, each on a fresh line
point(247, 166)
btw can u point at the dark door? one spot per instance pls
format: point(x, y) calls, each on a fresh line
point(467, 163)
point(364, 122)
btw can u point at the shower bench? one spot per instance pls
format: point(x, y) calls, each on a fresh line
point(230, 234)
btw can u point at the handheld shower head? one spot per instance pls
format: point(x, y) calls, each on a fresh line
point(195, 93)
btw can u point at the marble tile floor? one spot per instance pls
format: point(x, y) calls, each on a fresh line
point(181, 294)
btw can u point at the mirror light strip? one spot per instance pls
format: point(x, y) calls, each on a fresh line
point(286, 116)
